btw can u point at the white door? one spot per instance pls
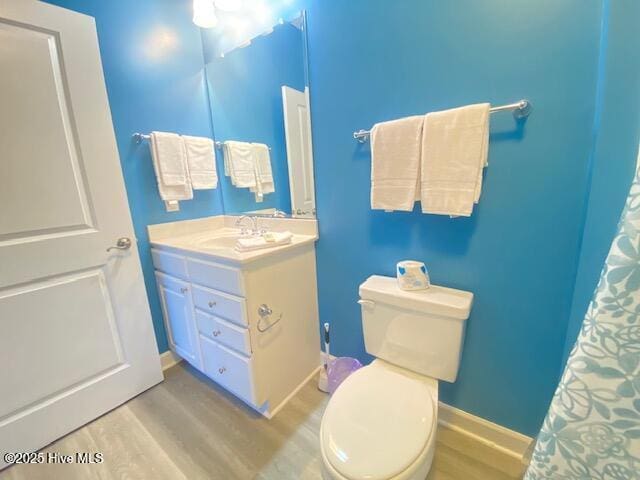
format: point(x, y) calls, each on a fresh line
point(76, 337)
point(297, 128)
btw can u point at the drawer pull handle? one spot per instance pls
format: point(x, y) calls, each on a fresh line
point(222, 370)
point(212, 304)
point(184, 290)
point(216, 333)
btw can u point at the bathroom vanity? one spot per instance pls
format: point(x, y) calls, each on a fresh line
point(247, 320)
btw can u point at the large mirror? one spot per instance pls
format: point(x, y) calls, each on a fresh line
point(259, 96)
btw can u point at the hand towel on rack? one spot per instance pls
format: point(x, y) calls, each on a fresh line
point(170, 192)
point(395, 163)
point(263, 172)
point(454, 152)
point(201, 159)
point(169, 155)
point(240, 163)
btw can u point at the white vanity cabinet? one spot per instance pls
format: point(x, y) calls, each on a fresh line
point(252, 327)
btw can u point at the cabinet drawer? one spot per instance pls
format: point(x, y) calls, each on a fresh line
point(224, 332)
point(213, 275)
point(170, 263)
point(220, 304)
point(234, 372)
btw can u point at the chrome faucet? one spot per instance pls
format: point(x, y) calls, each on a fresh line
point(243, 229)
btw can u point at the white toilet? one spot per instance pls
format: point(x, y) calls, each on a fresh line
point(381, 422)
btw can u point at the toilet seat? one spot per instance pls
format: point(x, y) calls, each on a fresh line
point(379, 423)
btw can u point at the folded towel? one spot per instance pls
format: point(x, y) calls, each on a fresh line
point(263, 172)
point(174, 153)
point(395, 163)
point(268, 240)
point(454, 151)
point(169, 155)
point(240, 164)
point(201, 160)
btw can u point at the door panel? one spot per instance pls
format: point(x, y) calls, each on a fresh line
point(77, 338)
point(50, 187)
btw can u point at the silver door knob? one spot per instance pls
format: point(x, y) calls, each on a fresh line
point(216, 333)
point(222, 370)
point(123, 243)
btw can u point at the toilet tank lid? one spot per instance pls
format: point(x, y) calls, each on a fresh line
point(435, 300)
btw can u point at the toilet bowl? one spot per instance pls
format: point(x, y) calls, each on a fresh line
point(381, 422)
point(380, 425)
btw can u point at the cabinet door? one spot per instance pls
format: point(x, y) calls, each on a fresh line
point(177, 309)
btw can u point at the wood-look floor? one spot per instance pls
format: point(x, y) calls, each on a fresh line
point(187, 428)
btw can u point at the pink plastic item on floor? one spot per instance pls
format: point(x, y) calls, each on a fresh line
point(339, 369)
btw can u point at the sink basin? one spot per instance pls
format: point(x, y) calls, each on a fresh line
point(219, 242)
point(223, 238)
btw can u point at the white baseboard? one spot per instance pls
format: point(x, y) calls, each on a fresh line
point(482, 432)
point(271, 413)
point(168, 359)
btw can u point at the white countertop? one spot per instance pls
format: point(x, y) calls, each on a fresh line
point(216, 236)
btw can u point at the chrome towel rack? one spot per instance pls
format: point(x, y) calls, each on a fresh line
point(521, 109)
point(140, 137)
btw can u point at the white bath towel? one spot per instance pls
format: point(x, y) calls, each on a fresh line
point(395, 163)
point(454, 152)
point(201, 159)
point(240, 164)
point(263, 172)
point(169, 155)
point(169, 192)
point(268, 240)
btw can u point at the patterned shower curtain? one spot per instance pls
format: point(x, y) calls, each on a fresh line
point(592, 429)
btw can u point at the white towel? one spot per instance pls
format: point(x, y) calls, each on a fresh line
point(268, 240)
point(169, 155)
point(201, 159)
point(159, 150)
point(240, 164)
point(395, 163)
point(454, 151)
point(263, 172)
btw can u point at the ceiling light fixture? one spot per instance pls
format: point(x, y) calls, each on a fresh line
point(229, 5)
point(204, 13)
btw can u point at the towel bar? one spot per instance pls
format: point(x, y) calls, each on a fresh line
point(521, 109)
point(140, 137)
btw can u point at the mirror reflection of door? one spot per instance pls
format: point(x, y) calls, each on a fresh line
point(259, 95)
point(297, 129)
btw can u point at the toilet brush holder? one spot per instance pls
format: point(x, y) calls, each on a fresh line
point(323, 378)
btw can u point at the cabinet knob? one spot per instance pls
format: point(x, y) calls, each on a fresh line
point(184, 290)
point(216, 333)
point(212, 304)
point(222, 370)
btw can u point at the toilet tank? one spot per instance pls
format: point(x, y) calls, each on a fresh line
point(421, 330)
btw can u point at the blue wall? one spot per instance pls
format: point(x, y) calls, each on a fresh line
point(614, 155)
point(518, 251)
point(153, 64)
point(246, 105)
